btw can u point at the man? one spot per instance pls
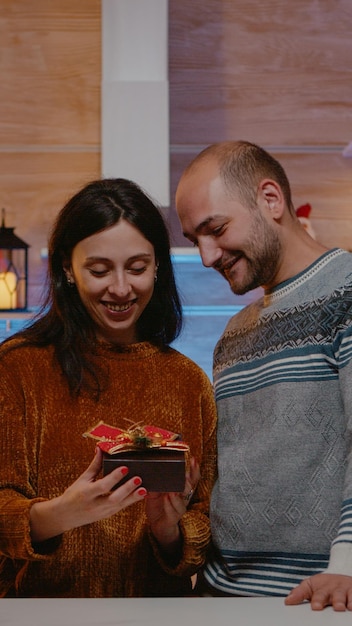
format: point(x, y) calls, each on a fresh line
point(281, 509)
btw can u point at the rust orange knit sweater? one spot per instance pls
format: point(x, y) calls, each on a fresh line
point(43, 452)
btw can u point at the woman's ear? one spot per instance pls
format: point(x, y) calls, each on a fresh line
point(69, 275)
point(156, 272)
point(271, 198)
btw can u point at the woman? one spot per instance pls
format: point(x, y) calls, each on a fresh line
point(100, 351)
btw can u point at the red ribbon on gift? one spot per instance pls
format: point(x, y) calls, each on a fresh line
point(113, 440)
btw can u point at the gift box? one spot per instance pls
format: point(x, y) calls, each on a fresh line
point(157, 455)
point(159, 470)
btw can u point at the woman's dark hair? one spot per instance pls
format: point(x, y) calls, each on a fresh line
point(63, 321)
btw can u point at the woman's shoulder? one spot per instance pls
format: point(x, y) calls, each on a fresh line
point(16, 349)
point(187, 365)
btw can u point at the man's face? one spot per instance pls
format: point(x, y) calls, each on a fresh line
point(239, 242)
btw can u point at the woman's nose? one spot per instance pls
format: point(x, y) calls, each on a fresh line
point(119, 285)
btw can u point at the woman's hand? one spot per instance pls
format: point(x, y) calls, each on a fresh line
point(89, 499)
point(164, 511)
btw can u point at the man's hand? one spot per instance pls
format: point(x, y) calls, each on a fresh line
point(324, 590)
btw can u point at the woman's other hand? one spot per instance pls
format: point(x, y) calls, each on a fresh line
point(164, 511)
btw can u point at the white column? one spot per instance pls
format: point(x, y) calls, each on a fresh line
point(135, 94)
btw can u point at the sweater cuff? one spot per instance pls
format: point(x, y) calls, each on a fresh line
point(195, 530)
point(340, 559)
point(19, 543)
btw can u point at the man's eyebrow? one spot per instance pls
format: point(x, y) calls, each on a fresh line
point(205, 223)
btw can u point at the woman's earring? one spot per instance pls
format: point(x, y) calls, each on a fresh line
point(156, 275)
point(69, 281)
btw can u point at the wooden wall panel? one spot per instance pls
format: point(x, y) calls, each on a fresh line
point(50, 58)
point(275, 73)
point(50, 72)
point(272, 72)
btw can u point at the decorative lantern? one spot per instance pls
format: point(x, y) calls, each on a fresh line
point(13, 270)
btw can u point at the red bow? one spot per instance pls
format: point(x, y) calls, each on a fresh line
point(112, 440)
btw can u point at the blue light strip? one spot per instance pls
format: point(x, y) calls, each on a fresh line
point(215, 310)
point(185, 258)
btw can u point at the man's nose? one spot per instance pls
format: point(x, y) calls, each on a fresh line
point(210, 252)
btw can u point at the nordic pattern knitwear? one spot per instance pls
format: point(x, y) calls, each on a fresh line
point(281, 509)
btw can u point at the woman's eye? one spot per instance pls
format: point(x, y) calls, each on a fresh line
point(98, 272)
point(137, 269)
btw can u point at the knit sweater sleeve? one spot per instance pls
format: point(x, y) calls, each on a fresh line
point(194, 524)
point(17, 471)
point(341, 550)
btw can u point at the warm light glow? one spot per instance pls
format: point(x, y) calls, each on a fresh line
point(8, 296)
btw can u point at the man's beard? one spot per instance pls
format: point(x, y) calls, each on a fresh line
point(263, 252)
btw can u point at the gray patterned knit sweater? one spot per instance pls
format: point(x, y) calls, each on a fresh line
point(282, 506)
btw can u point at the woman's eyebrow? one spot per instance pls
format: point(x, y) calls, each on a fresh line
point(101, 259)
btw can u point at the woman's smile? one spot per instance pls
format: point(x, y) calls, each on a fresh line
point(119, 308)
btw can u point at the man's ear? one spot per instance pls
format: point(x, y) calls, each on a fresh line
point(270, 196)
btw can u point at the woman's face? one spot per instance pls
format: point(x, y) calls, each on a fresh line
point(114, 273)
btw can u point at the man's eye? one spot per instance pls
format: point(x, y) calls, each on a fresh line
point(218, 231)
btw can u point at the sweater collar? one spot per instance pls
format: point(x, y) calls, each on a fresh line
point(139, 349)
point(289, 285)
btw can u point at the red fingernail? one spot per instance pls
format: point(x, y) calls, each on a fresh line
point(124, 471)
point(142, 492)
point(137, 481)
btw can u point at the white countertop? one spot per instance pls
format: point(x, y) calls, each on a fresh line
point(165, 611)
